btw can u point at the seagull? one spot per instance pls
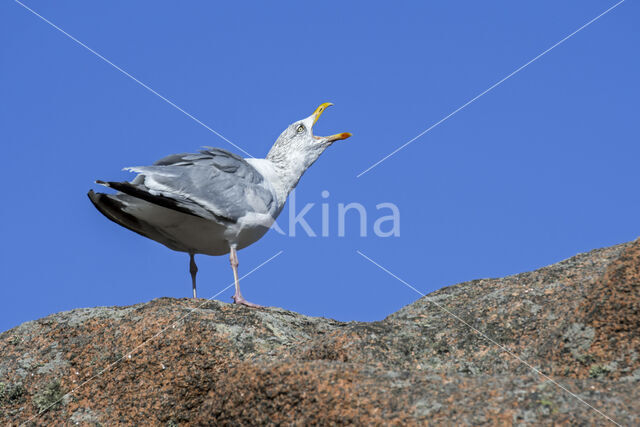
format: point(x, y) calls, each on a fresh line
point(214, 202)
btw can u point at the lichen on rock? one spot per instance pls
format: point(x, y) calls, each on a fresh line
point(576, 321)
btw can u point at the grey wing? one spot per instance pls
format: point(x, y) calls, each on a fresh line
point(214, 179)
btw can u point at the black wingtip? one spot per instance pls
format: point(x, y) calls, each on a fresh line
point(93, 196)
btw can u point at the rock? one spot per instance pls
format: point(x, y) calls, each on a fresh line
point(556, 345)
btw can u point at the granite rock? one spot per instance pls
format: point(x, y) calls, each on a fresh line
point(559, 345)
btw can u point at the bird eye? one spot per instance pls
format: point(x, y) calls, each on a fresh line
point(300, 129)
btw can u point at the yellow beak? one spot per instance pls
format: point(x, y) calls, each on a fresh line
point(316, 115)
point(338, 136)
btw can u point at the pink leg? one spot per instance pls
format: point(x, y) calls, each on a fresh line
point(238, 298)
point(193, 269)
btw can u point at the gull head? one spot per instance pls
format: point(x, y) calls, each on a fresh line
point(297, 147)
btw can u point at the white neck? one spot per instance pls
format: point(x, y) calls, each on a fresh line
point(290, 163)
point(281, 182)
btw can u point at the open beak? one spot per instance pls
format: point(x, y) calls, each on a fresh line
point(316, 115)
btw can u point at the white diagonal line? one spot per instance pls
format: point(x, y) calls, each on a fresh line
point(445, 118)
point(503, 348)
point(131, 77)
point(130, 352)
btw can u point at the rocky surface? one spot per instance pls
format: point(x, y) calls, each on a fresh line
point(557, 345)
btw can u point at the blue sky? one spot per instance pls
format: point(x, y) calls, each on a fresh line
point(542, 167)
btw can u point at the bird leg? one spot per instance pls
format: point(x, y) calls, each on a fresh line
point(193, 269)
point(238, 298)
